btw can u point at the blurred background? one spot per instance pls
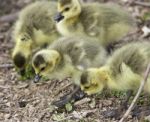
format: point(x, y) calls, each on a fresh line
point(22, 101)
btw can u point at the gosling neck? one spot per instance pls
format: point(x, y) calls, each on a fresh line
point(72, 20)
point(60, 62)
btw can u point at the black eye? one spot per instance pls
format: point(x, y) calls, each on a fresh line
point(43, 68)
point(87, 87)
point(76, 48)
point(23, 39)
point(67, 9)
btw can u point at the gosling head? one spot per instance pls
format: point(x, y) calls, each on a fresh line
point(44, 62)
point(22, 52)
point(93, 80)
point(67, 9)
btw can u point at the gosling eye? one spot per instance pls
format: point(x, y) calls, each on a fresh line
point(86, 87)
point(76, 48)
point(67, 9)
point(23, 39)
point(43, 68)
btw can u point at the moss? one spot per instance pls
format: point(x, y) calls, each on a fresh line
point(26, 74)
point(110, 93)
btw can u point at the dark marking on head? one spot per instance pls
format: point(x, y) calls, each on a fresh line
point(19, 60)
point(38, 60)
point(84, 79)
point(64, 2)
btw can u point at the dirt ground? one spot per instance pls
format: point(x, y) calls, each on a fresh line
point(24, 101)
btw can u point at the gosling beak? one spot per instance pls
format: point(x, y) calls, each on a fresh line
point(37, 78)
point(58, 17)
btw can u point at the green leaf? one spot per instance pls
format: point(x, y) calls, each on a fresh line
point(146, 16)
point(68, 107)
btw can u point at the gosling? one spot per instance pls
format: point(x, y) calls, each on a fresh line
point(123, 70)
point(68, 57)
point(106, 22)
point(35, 28)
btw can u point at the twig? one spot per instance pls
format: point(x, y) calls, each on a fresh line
point(64, 119)
point(6, 65)
point(61, 89)
point(145, 4)
point(82, 114)
point(5, 87)
point(82, 101)
point(137, 94)
point(23, 85)
point(9, 18)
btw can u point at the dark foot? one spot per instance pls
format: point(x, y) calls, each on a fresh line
point(115, 113)
point(62, 102)
point(110, 49)
point(76, 95)
point(124, 104)
point(138, 112)
point(141, 111)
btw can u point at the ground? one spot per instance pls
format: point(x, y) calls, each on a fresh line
point(22, 100)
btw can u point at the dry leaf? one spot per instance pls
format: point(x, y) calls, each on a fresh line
point(146, 31)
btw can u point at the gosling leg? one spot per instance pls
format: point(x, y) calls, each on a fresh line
point(116, 113)
point(76, 94)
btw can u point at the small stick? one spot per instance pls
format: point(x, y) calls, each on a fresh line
point(66, 118)
point(5, 87)
point(9, 18)
point(82, 101)
point(145, 4)
point(6, 65)
point(61, 89)
point(137, 94)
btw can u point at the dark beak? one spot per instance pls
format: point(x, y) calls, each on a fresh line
point(37, 78)
point(58, 17)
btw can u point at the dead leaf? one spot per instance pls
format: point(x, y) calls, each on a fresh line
point(146, 31)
